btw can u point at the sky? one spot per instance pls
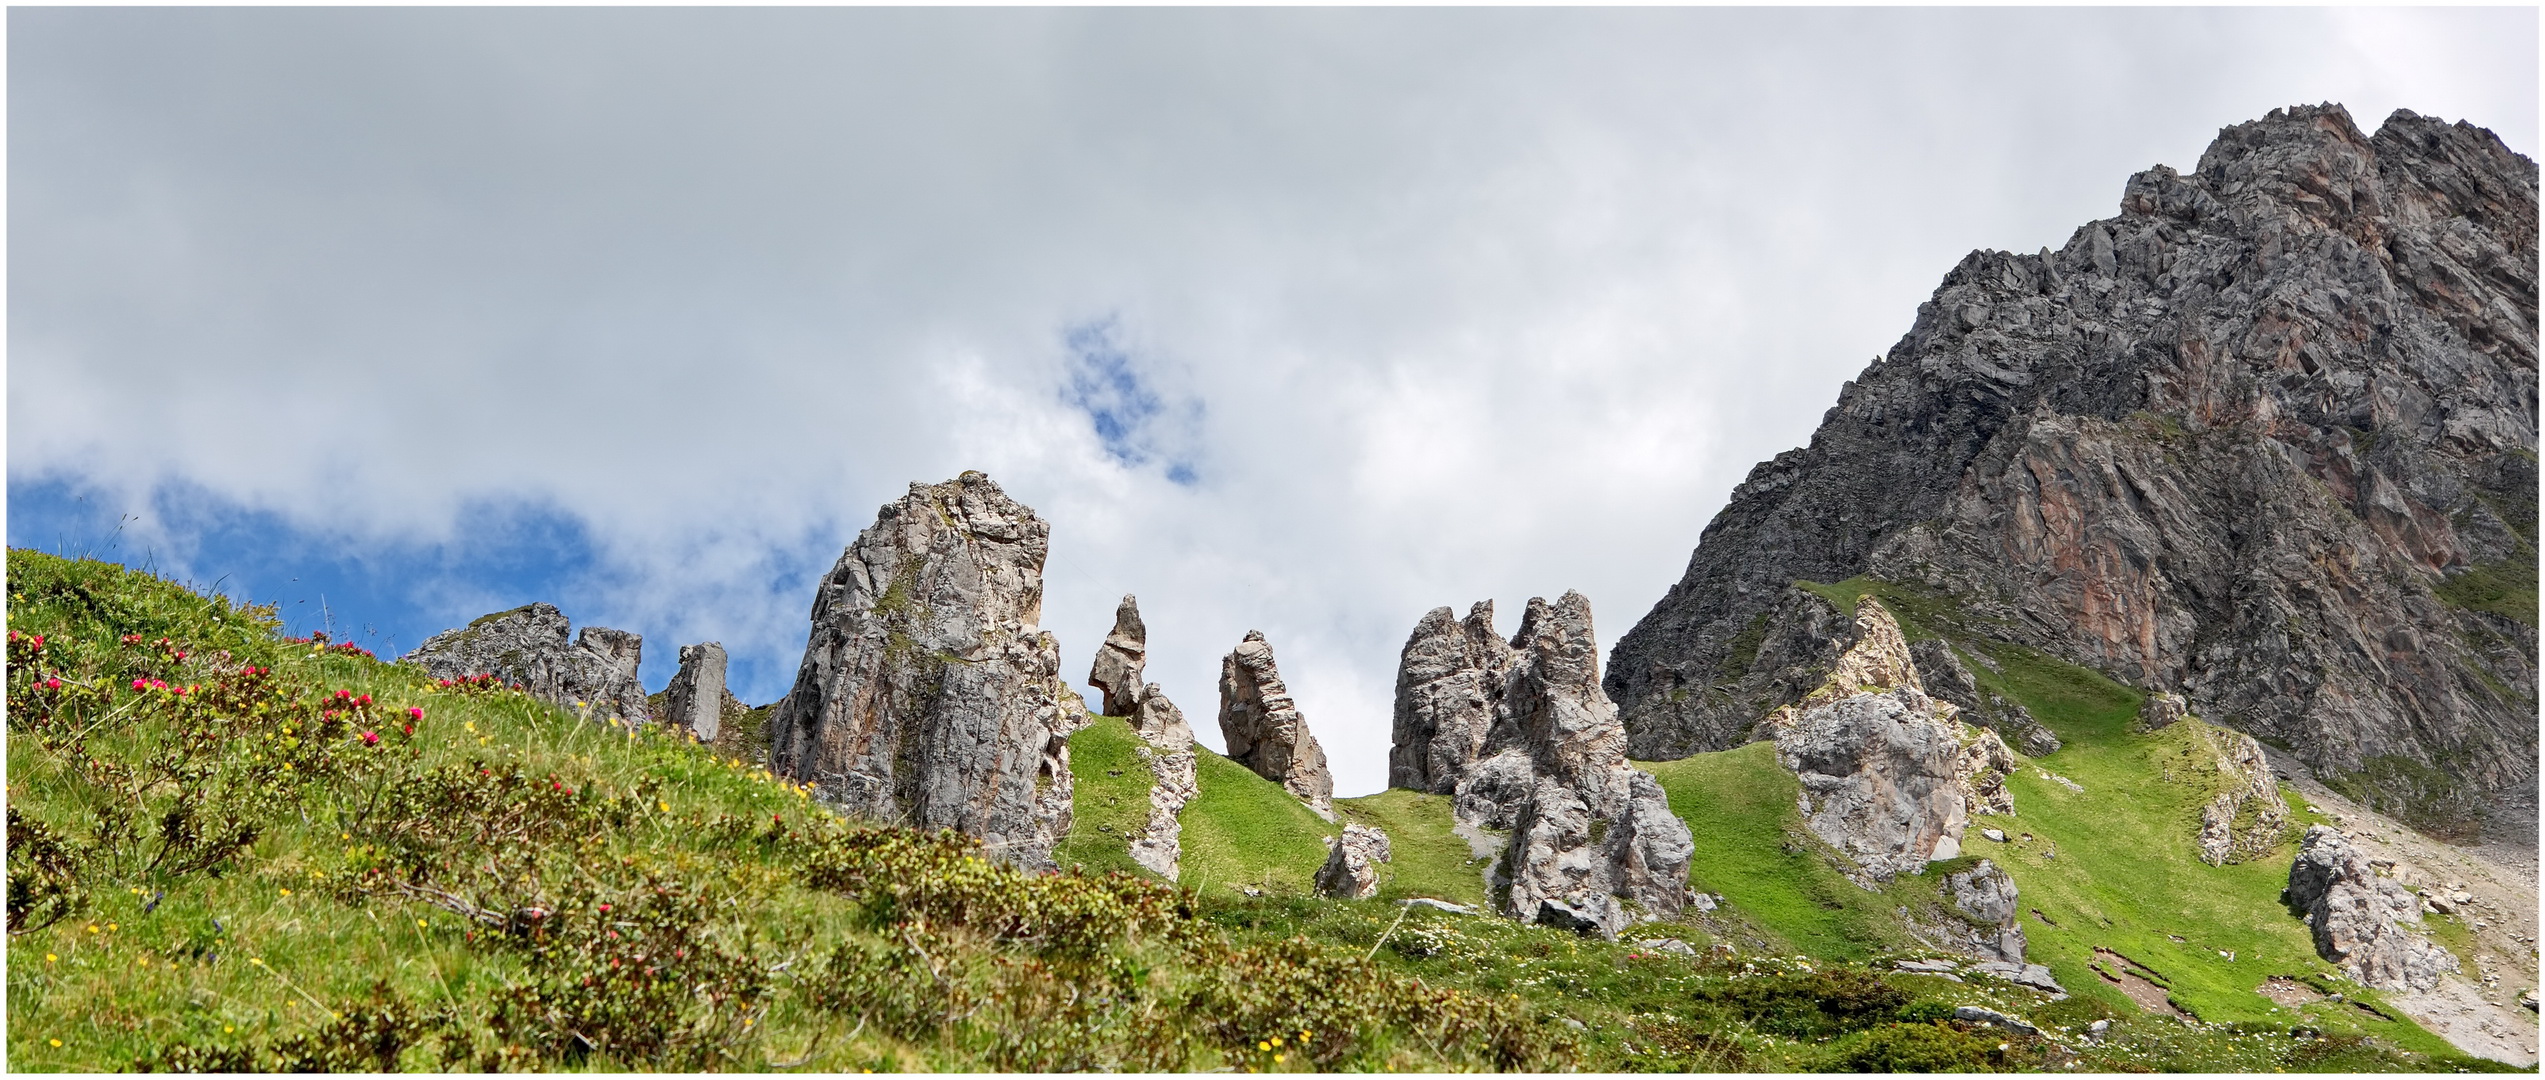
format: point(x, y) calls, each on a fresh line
point(1296, 320)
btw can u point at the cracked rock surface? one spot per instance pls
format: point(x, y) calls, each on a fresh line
point(1263, 727)
point(2362, 920)
point(595, 674)
point(928, 696)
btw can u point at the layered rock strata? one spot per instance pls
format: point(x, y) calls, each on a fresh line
point(2266, 439)
point(2360, 920)
point(1263, 727)
point(1166, 739)
point(696, 700)
point(1889, 776)
point(1591, 843)
point(594, 674)
point(1351, 871)
point(928, 696)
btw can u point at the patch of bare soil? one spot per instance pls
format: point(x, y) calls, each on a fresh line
point(2287, 992)
point(2125, 973)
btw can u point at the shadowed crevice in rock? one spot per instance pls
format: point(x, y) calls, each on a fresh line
point(1263, 727)
point(928, 696)
point(595, 674)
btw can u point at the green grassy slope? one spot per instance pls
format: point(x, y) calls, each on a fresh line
point(1110, 799)
point(1425, 857)
point(231, 878)
point(2111, 867)
point(506, 887)
point(1242, 831)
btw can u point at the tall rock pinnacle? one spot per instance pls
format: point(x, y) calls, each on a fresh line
point(1264, 729)
point(927, 696)
point(1167, 739)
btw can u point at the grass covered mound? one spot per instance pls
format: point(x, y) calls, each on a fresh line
point(230, 851)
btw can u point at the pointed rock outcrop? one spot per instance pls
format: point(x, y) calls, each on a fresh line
point(696, 700)
point(1449, 684)
point(1890, 777)
point(1263, 727)
point(595, 674)
point(1166, 739)
point(1594, 846)
point(928, 696)
point(1945, 677)
point(2360, 920)
point(1351, 871)
point(1121, 659)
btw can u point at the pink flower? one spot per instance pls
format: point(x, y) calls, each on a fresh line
point(415, 713)
point(141, 684)
point(370, 738)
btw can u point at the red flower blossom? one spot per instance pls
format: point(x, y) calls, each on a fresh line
point(370, 738)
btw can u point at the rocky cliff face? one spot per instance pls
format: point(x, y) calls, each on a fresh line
point(927, 695)
point(1264, 729)
point(2266, 439)
point(595, 674)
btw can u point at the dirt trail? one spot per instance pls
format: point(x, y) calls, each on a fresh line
point(2478, 1012)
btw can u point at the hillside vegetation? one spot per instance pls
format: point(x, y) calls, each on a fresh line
point(229, 850)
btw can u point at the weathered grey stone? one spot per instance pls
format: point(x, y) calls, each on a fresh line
point(1264, 729)
point(1168, 746)
point(2032, 976)
point(1351, 871)
point(1449, 683)
point(1987, 895)
point(1121, 659)
point(927, 696)
point(1593, 844)
point(2360, 920)
point(695, 701)
point(2248, 818)
point(2161, 711)
point(595, 674)
point(1973, 1014)
point(1438, 905)
point(2229, 444)
point(1890, 777)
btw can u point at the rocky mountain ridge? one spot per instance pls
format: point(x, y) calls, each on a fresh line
point(2267, 439)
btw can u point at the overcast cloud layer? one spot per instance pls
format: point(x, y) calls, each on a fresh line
point(1304, 321)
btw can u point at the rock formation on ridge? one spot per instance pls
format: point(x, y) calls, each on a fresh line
point(697, 700)
point(2360, 920)
point(1167, 740)
point(927, 696)
point(1351, 871)
point(1537, 752)
point(1890, 777)
point(2266, 439)
point(595, 674)
point(1449, 683)
point(1264, 729)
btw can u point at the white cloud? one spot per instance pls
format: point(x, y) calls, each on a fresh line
point(1462, 303)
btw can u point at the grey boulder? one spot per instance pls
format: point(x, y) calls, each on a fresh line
point(1351, 869)
point(695, 701)
point(2361, 921)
